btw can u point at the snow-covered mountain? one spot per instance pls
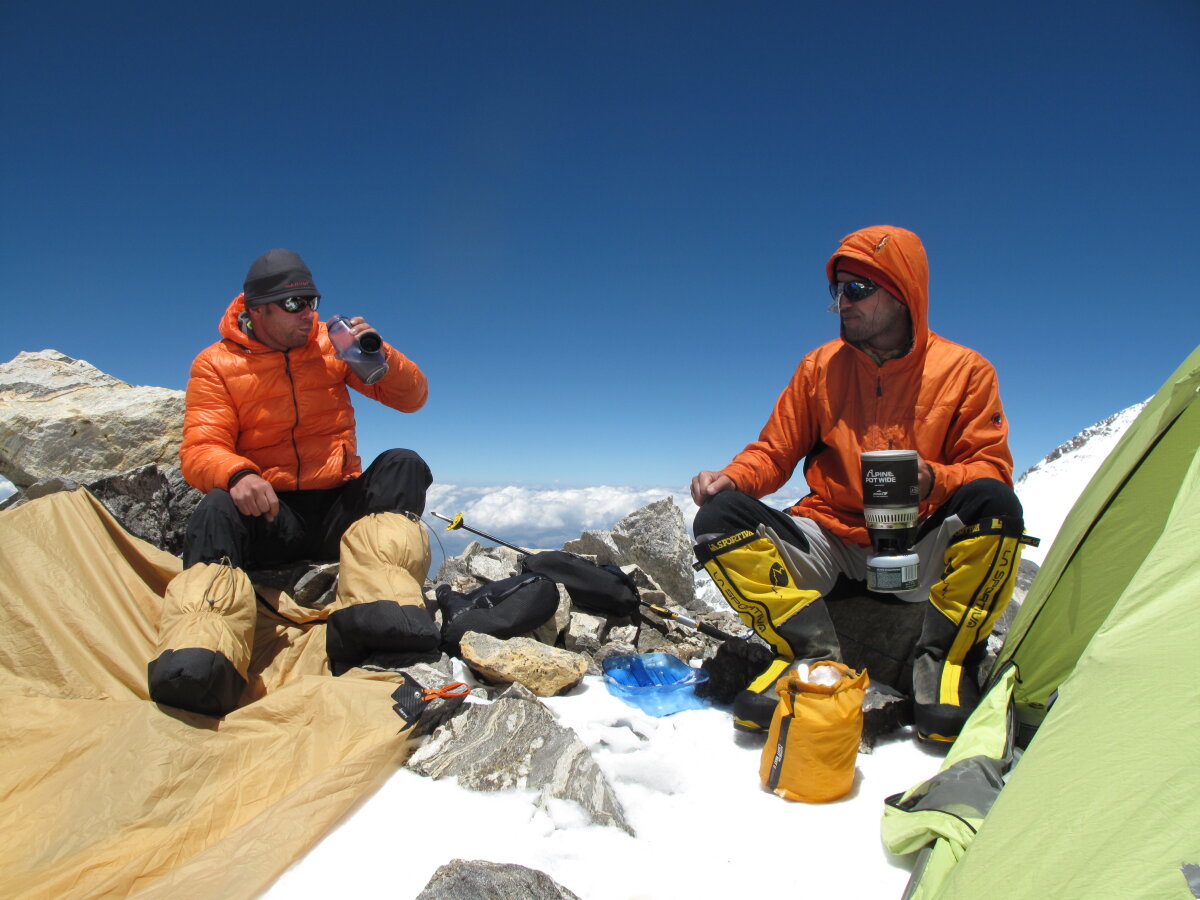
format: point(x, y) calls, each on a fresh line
point(1049, 489)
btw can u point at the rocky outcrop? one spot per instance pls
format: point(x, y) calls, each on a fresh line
point(477, 879)
point(653, 538)
point(310, 584)
point(62, 417)
point(593, 636)
point(152, 502)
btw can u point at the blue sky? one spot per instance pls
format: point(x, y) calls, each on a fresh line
point(601, 228)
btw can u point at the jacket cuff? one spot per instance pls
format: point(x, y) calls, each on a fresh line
point(238, 476)
point(939, 490)
point(739, 475)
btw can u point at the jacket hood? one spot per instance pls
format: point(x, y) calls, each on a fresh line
point(900, 255)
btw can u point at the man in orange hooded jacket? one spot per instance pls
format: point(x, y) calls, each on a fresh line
point(269, 436)
point(887, 383)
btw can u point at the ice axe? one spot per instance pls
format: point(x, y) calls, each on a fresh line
point(703, 627)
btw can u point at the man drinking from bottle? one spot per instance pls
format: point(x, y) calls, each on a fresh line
point(269, 437)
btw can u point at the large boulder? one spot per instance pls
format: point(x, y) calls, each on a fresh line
point(62, 417)
point(546, 671)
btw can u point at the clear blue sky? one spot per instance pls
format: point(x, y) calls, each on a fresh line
point(601, 228)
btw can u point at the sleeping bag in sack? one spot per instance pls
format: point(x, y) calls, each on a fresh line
point(602, 590)
point(502, 609)
point(812, 746)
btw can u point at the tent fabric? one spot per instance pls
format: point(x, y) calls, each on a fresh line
point(939, 817)
point(106, 793)
point(1103, 801)
point(1113, 525)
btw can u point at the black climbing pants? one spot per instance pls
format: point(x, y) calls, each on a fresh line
point(310, 524)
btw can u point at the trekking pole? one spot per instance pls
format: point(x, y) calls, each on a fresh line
point(456, 523)
point(703, 627)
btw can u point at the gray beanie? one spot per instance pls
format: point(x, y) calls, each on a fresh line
point(278, 274)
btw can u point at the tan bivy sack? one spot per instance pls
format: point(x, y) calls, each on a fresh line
point(812, 746)
point(384, 556)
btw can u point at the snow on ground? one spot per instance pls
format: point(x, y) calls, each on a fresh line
point(690, 788)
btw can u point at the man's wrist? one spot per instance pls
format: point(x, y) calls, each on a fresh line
point(238, 476)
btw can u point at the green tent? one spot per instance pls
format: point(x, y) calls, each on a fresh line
point(1099, 678)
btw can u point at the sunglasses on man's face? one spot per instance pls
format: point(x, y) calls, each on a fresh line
point(295, 304)
point(859, 289)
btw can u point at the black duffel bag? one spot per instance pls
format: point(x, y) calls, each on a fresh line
point(602, 590)
point(503, 609)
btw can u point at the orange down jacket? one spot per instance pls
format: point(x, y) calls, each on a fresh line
point(283, 415)
point(941, 399)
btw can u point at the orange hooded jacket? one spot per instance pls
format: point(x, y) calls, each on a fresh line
point(285, 415)
point(940, 399)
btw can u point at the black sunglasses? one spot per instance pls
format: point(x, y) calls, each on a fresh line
point(857, 290)
point(295, 304)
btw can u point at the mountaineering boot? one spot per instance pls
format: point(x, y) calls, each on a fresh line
point(753, 577)
point(205, 638)
point(980, 572)
point(380, 606)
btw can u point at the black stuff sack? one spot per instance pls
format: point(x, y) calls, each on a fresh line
point(502, 609)
point(601, 590)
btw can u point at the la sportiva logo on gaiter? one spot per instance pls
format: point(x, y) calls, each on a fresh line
point(778, 575)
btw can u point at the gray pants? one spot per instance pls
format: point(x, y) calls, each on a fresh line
point(817, 557)
point(828, 557)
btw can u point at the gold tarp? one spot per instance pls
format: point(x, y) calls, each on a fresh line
point(103, 793)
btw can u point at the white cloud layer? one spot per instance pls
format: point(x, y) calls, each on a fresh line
point(532, 517)
point(535, 510)
point(546, 518)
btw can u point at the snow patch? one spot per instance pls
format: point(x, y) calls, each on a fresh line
point(1049, 489)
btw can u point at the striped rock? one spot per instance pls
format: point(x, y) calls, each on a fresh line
point(515, 743)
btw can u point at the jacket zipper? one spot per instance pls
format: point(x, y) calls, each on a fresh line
point(879, 396)
point(287, 368)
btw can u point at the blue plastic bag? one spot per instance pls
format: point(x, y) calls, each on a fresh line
point(656, 683)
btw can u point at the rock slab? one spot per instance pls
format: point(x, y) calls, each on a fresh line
point(516, 743)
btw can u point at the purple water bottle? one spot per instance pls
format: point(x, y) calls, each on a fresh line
point(363, 353)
